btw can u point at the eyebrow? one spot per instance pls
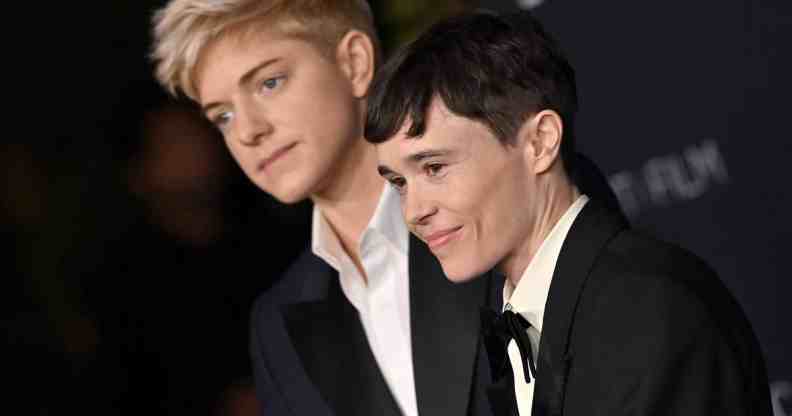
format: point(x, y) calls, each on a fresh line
point(426, 154)
point(244, 79)
point(415, 158)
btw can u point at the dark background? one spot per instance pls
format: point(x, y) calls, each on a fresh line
point(135, 246)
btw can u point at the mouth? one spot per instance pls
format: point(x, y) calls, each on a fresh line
point(441, 238)
point(274, 157)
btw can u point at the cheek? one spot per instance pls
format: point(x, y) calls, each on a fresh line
point(327, 127)
point(498, 207)
point(475, 195)
point(328, 106)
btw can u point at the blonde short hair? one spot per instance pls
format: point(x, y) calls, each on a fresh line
point(183, 29)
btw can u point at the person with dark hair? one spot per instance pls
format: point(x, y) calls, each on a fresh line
point(473, 123)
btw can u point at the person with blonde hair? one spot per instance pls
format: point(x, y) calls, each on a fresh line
point(364, 322)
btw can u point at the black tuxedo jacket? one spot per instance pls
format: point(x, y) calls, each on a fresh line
point(311, 357)
point(634, 326)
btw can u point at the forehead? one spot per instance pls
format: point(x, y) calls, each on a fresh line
point(223, 61)
point(444, 129)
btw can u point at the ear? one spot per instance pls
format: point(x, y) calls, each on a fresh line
point(542, 134)
point(355, 57)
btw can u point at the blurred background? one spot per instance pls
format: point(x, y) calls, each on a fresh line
point(134, 246)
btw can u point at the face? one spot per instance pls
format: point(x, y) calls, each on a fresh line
point(467, 196)
point(287, 112)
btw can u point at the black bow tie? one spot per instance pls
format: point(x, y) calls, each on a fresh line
point(498, 330)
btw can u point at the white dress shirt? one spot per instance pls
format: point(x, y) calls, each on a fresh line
point(384, 303)
point(530, 296)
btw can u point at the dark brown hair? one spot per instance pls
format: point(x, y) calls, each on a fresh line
point(495, 69)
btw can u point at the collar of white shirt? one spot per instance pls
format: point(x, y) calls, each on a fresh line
point(386, 223)
point(530, 296)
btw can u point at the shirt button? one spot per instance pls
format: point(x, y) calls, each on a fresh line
point(507, 307)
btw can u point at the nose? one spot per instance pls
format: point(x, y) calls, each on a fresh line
point(252, 125)
point(418, 209)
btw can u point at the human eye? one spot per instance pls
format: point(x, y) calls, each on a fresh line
point(270, 84)
point(434, 169)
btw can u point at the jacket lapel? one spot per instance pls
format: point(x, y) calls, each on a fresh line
point(594, 227)
point(329, 339)
point(445, 325)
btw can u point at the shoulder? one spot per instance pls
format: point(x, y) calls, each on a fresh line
point(651, 311)
point(636, 264)
point(640, 252)
point(290, 286)
point(640, 282)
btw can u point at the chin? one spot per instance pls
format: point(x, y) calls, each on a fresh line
point(287, 193)
point(289, 197)
point(457, 274)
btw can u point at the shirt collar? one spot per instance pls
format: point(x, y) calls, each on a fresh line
point(324, 242)
point(386, 222)
point(530, 295)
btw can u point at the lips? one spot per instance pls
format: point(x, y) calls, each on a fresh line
point(277, 154)
point(440, 238)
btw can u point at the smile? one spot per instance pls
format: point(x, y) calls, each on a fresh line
point(441, 238)
point(266, 163)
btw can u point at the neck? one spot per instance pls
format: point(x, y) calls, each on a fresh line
point(350, 197)
point(559, 197)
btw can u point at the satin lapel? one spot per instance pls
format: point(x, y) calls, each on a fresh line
point(591, 231)
point(329, 339)
point(445, 324)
